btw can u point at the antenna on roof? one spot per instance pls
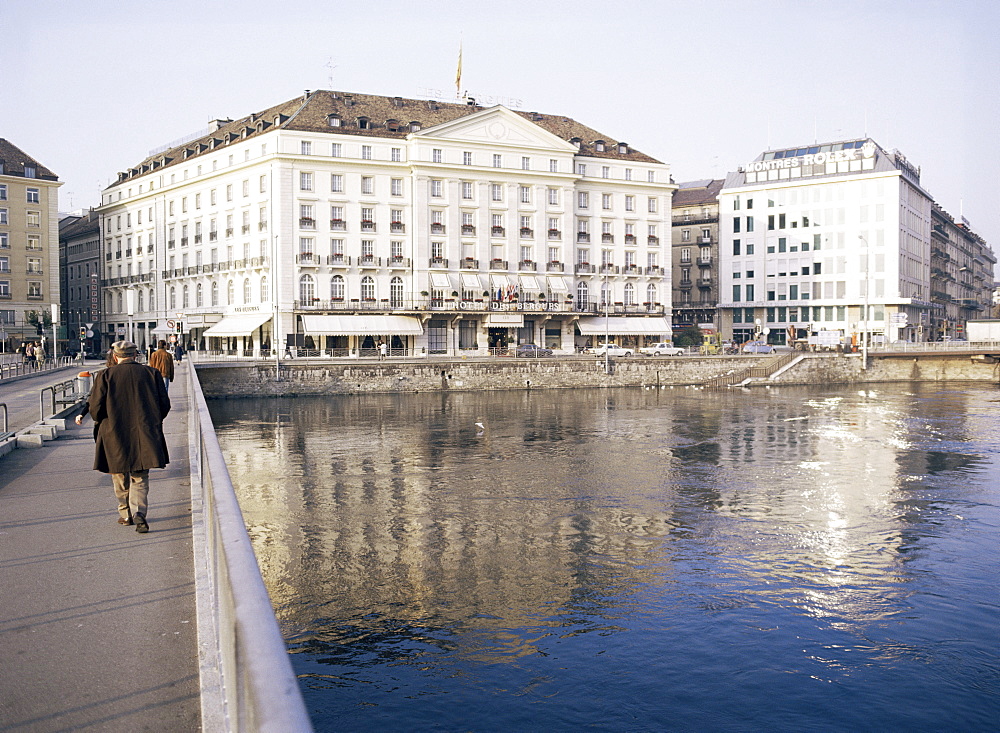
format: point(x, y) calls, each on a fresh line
point(329, 66)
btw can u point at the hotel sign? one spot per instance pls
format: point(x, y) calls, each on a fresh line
point(834, 156)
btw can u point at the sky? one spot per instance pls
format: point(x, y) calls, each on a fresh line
point(91, 86)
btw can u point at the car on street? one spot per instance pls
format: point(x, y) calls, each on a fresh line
point(662, 349)
point(532, 351)
point(611, 350)
point(757, 347)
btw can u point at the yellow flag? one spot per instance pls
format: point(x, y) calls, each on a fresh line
point(458, 73)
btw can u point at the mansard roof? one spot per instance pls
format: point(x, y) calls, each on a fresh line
point(695, 193)
point(370, 115)
point(14, 159)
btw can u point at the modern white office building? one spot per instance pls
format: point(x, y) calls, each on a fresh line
point(334, 220)
point(810, 236)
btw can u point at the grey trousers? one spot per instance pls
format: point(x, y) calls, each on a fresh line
point(131, 490)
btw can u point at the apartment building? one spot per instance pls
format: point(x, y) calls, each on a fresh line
point(961, 276)
point(833, 237)
point(333, 220)
point(695, 253)
point(29, 237)
point(80, 270)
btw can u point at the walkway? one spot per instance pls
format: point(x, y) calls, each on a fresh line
point(97, 622)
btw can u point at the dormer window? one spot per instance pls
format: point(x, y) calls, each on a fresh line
point(29, 171)
point(599, 146)
point(575, 141)
point(392, 125)
point(623, 148)
point(397, 101)
point(334, 121)
point(363, 123)
point(414, 127)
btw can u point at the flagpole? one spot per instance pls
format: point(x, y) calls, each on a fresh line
point(458, 73)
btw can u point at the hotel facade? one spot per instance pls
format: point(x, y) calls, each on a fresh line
point(835, 241)
point(334, 220)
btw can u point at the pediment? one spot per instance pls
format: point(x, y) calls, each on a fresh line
point(498, 126)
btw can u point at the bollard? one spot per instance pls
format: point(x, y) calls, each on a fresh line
point(83, 383)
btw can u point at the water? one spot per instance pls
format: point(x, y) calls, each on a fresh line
point(640, 560)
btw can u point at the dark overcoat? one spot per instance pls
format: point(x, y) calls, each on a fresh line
point(128, 402)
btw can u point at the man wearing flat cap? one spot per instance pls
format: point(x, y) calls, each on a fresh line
point(128, 402)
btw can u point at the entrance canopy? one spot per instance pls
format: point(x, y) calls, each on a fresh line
point(243, 324)
point(362, 325)
point(624, 326)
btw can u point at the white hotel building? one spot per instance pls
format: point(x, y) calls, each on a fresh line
point(810, 235)
point(334, 220)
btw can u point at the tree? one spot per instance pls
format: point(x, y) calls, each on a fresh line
point(41, 320)
point(689, 336)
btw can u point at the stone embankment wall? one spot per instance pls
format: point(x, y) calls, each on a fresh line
point(314, 378)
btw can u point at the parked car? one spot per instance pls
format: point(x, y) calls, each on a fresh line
point(611, 350)
point(662, 349)
point(757, 347)
point(532, 351)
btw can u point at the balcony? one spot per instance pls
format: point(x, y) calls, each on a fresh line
point(654, 270)
point(397, 227)
point(704, 240)
point(118, 255)
point(554, 266)
point(369, 261)
point(398, 261)
point(213, 236)
point(607, 238)
point(497, 231)
point(704, 282)
point(107, 257)
point(469, 263)
point(184, 241)
point(197, 239)
point(170, 243)
point(338, 260)
point(583, 268)
point(261, 226)
point(632, 270)
point(306, 222)
point(498, 264)
point(528, 265)
point(367, 226)
point(527, 233)
point(652, 240)
point(245, 229)
point(582, 236)
point(684, 284)
point(555, 234)
point(306, 258)
point(468, 230)
point(338, 225)
point(229, 233)
point(705, 261)
point(608, 269)
point(438, 262)
point(629, 239)
point(437, 228)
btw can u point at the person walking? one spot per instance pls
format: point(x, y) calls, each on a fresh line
point(164, 362)
point(129, 402)
point(40, 355)
point(383, 350)
point(178, 352)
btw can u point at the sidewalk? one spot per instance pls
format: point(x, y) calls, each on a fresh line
point(97, 622)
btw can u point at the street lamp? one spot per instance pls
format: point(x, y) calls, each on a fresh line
point(864, 332)
point(606, 293)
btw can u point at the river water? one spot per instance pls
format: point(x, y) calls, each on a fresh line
point(632, 560)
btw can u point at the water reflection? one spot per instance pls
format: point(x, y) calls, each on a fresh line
point(559, 556)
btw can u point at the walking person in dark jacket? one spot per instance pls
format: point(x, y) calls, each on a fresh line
point(128, 403)
point(164, 362)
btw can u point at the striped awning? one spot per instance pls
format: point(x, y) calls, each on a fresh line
point(374, 325)
point(625, 326)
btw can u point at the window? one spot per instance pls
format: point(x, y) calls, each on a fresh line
point(525, 163)
point(749, 224)
point(652, 205)
point(737, 293)
point(337, 290)
point(436, 189)
point(396, 155)
point(263, 289)
point(581, 168)
point(686, 254)
point(630, 203)
point(4, 264)
point(215, 296)
point(3, 191)
point(497, 160)
point(33, 218)
point(605, 201)
point(736, 225)
point(32, 195)
point(466, 158)
point(396, 187)
point(366, 152)
point(467, 190)
point(336, 149)
point(4, 241)
point(605, 171)
point(525, 193)
point(367, 185)
point(749, 292)
point(496, 192)
point(436, 155)
point(306, 147)
point(307, 288)
point(553, 197)
point(583, 199)
point(336, 183)
point(736, 246)
point(305, 183)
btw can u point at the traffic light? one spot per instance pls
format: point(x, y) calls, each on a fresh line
point(83, 332)
point(180, 327)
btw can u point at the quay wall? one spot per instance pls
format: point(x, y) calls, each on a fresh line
point(300, 378)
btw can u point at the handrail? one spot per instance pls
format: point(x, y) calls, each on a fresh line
point(757, 371)
point(247, 679)
point(4, 406)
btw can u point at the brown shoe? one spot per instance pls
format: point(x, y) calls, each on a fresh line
point(122, 520)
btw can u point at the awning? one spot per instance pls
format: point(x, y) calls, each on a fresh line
point(557, 285)
point(529, 282)
point(440, 280)
point(625, 326)
point(505, 320)
point(243, 324)
point(362, 325)
point(470, 281)
point(500, 281)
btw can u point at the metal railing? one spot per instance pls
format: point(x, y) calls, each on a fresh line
point(249, 667)
point(757, 371)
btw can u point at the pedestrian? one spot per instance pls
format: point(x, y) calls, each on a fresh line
point(40, 355)
point(164, 362)
point(29, 354)
point(383, 350)
point(129, 402)
point(178, 351)
point(20, 351)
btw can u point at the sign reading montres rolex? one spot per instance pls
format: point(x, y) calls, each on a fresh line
point(849, 160)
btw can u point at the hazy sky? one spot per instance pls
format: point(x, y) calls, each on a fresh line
point(91, 86)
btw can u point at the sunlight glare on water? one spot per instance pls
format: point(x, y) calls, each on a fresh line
point(789, 559)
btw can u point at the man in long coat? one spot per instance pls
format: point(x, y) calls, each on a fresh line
point(129, 402)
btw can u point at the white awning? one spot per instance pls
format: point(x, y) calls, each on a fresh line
point(362, 325)
point(500, 281)
point(529, 282)
point(621, 326)
point(440, 280)
point(243, 324)
point(558, 285)
point(471, 281)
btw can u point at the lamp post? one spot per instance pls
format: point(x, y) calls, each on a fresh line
point(606, 293)
point(864, 331)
